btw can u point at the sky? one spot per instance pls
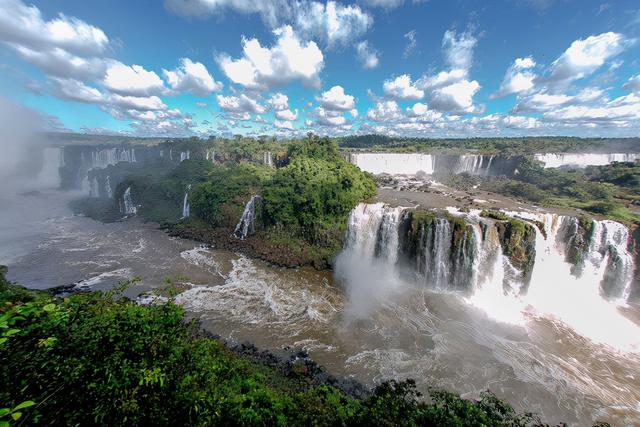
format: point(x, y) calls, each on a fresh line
point(430, 68)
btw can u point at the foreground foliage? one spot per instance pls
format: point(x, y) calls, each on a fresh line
point(99, 359)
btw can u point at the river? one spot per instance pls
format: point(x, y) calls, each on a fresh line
point(537, 363)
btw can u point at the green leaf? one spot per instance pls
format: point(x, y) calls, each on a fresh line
point(49, 307)
point(25, 404)
point(11, 332)
point(3, 340)
point(16, 416)
point(4, 411)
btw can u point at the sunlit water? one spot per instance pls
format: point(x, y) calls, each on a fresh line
point(526, 356)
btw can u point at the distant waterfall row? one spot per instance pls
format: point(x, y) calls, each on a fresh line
point(582, 160)
point(413, 163)
point(473, 164)
point(466, 252)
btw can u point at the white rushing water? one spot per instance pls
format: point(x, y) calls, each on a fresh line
point(246, 224)
point(52, 161)
point(394, 163)
point(185, 203)
point(582, 160)
point(184, 155)
point(267, 158)
point(128, 207)
point(104, 157)
point(574, 293)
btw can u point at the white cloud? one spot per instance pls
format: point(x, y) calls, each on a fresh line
point(279, 101)
point(336, 100)
point(541, 102)
point(23, 25)
point(132, 80)
point(60, 63)
point(633, 84)
point(261, 68)
point(411, 43)
point(201, 104)
point(192, 77)
point(137, 103)
point(368, 57)
point(451, 90)
point(283, 124)
point(622, 108)
point(517, 79)
point(333, 23)
point(584, 57)
point(329, 118)
point(457, 97)
point(421, 113)
point(74, 90)
point(287, 114)
point(458, 49)
point(387, 4)
point(401, 88)
point(240, 104)
point(385, 111)
point(354, 113)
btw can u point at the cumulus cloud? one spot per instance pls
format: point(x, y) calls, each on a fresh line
point(451, 90)
point(387, 4)
point(385, 111)
point(369, 57)
point(132, 80)
point(240, 104)
point(333, 23)
point(540, 102)
point(585, 56)
point(287, 114)
point(278, 101)
point(283, 124)
point(329, 118)
point(517, 79)
point(74, 90)
point(336, 100)
point(261, 68)
point(192, 77)
point(24, 26)
point(401, 88)
point(456, 97)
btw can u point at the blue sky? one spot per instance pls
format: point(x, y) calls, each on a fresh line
point(458, 68)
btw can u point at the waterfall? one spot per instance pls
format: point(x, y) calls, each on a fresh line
point(127, 207)
point(246, 225)
point(162, 154)
point(267, 158)
point(185, 203)
point(211, 156)
point(368, 263)
point(94, 188)
point(394, 163)
point(582, 270)
point(473, 164)
point(184, 155)
point(107, 187)
point(170, 153)
point(559, 160)
point(462, 252)
point(52, 161)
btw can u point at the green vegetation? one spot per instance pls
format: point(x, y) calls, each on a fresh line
point(609, 190)
point(518, 240)
point(104, 360)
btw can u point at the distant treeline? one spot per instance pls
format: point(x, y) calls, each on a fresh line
point(506, 146)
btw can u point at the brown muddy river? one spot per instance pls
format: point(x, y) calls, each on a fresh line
point(537, 362)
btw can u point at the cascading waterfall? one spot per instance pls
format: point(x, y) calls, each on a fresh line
point(211, 155)
point(394, 163)
point(94, 189)
point(184, 155)
point(246, 224)
point(473, 164)
point(107, 187)
point(582, 160)
point(267, 158)
point(577, 264)
point(368, 262)
point(52, 161)
point(185, 203)
point(128, 207)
